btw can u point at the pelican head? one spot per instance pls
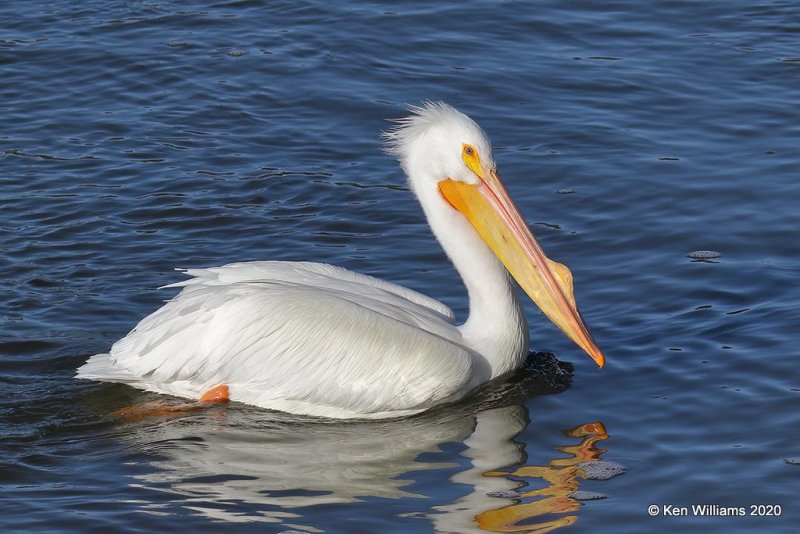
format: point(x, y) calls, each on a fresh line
point(448, 157)
point(437, 141)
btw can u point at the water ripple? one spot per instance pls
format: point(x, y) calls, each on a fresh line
point(139, 137)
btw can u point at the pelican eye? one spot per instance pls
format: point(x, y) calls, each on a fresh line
point(471, 159)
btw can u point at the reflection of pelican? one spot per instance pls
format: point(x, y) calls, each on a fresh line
point(263, 468)
point(248, 466)
point(315, 339)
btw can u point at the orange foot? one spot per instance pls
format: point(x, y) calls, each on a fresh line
point(217, 394)
point(166, 408)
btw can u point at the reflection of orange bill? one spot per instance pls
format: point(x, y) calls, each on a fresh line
point(493, 214)
point(510, 519)
point(561, 475)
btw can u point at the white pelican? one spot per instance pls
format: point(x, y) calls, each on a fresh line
point(314, 339)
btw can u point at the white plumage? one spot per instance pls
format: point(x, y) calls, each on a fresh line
point(316, 339)
point(282, 335)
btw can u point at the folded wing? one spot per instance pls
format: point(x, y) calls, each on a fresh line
point(299, 337)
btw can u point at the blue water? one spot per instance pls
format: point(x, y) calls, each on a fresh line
point(140, 136)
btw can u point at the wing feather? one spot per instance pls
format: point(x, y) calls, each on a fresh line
point(301, 337)
point(309, 273)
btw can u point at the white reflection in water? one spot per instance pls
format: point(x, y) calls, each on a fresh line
point(236, 455)
point(234, 463)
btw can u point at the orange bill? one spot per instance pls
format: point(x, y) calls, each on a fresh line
point(493, 214)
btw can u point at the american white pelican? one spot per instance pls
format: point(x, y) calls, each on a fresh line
point(315, 339)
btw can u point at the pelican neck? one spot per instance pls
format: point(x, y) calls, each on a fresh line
point(496, 327)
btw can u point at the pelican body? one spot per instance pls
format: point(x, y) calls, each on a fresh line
point(314, 339)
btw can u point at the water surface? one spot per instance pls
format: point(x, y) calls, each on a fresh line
point(142, 136)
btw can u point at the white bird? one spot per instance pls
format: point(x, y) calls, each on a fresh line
point(314, 339)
